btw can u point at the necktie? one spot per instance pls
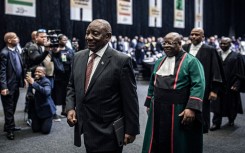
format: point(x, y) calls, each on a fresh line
point(89, 70)
point(17, 63)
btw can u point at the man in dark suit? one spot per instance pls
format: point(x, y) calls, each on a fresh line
point(12, 77)
point(209, 58)
point(96, 99)
point(44, 107)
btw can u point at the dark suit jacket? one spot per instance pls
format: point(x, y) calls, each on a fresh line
point(36, 55)
point(110, 95)
point(7, 72)
point(44, 105)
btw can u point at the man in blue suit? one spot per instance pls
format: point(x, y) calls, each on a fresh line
point(44, 108)
point(12, 77)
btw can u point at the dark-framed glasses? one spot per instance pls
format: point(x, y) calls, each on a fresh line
point(165, 43)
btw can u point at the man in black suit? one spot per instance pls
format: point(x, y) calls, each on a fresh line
point(214, 77)
point(12, 77)
point(94, 101)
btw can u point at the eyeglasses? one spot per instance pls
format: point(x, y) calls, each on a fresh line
point(165, 43)
point(41, 31)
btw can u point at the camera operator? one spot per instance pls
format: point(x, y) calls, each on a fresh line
point(40, 55)
point(62, 58)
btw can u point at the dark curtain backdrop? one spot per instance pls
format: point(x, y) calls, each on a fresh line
point(219, 17)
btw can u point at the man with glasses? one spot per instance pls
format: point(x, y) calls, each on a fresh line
point(12, 77)
point(174, 102)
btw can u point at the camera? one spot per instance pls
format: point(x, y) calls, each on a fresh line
point(53, 37)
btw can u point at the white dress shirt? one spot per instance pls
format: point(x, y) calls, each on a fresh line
point(167, 68)
point(99, 54)
point(194, 49)
point(225, 54)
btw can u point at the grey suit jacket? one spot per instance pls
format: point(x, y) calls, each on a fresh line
point(111, 94)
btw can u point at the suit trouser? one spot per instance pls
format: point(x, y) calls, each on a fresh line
point(206, 115)
point(41, 125)
point(9, 106)
point(217, 118)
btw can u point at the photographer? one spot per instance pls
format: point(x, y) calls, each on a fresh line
point(40, 55)
point(62, 58)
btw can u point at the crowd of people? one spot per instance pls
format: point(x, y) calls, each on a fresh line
point(96, 87)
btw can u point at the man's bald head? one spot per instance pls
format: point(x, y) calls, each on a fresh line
point(11, 39)
point(226, 39)
point(225, 43)
point(196, 36)
point(174, 36)
point(98, 34)
point(9, 35)
point(42, 69)
point(172, 44)
point(200, 30)
point(105, 24)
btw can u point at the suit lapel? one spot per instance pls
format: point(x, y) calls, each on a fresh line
point(81, 68)
point(188, 48)
point(12, 60)
point(104, 61)
point(198, 55)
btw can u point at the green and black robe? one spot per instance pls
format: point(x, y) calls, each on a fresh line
point(167, 97)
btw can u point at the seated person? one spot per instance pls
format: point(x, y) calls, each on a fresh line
point(43, 108)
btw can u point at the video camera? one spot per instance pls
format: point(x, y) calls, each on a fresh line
point(53, 37)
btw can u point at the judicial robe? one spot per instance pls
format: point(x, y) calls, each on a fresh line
point(229, 103)
point(167, 97)
point(214, 77)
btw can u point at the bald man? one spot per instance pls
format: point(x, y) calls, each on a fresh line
point(102, 90)
point(12, 77)
point(213, 70)
point(174, 102)
point(230, 101)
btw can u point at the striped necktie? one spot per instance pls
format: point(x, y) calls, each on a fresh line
point(89, 70)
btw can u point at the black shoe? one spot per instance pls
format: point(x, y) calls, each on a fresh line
point(16, 128)
point(214, 127)
point(29, 122)
point(10, 135)
point(231, 124)
point(56, 118)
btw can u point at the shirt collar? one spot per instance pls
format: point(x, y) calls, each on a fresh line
point(101, 52)
point(198, 45)
point(227, 52)
point(12, 49)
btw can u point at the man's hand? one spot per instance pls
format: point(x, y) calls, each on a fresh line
point(4, 92)
point(147, 110)
point(234, 88)
point(188, 116)
point(71, 118)
point(212, 96)
point(128, 139)
point(29, 79)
